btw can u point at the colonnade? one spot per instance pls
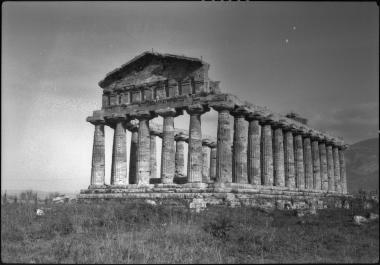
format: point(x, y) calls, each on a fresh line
point(262, 151)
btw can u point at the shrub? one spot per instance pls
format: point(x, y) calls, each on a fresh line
point(219, 228)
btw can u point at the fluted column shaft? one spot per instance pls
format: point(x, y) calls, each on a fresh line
point(266, 154)
point(223, 151)
point(98, 157)
point(308, 163)
point(298, 159)
point(253, 166)
point(143, 149)
point(205, 163)
point(330, 168)
point(343, 177)
point(290, 179)
point(194, 160)
point(336, 169)
point(133, 156)
point(316, 165)
point(119, 155)
point(278, 155)
point(239, 156)
point(324, 173)
point(168, 151)
point(153, 156)
point(213, 162)
point(180, 156)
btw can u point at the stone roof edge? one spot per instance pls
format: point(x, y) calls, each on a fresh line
point(277, 116)
point(180, 57)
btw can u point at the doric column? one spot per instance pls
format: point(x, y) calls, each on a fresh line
point(336, 168)
point(168, 148)
point(143, 149)
point(308, 160)
point(316, 162)
point(253, 152)
point(330, 166)
point(323, 158)
point(213, 161)
point(133, 127)
point(278, 155)
point(119, 149)
point(180, 154)
point(153, 154)
point(298, 159)
point(266, 152)
point(239, 147)
point(223, 151)
point(194, 161)
point(98, 158)
point(343, 178)
point(290, 178)
point(206, 160)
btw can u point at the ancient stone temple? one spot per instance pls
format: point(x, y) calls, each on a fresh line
point(257, 157)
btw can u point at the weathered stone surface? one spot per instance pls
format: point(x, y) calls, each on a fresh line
point(278, 155)
point(308, 163)
point(168, 151)
point(133, 156)
point(153, 157)
point(223, 151)
point(119, 155)
point(266, 154)
point(330, 168)
point(298, 159)
point(253, 151)
point(343, 178)
point(205, 161)
point(290, 179)
point(143, 150)
point(194, 164)
point(98, 157)
point(324, 173)
point(239, 154)
point(336, 169)
point(180, 154)
point(213, 161)
point(316, 165)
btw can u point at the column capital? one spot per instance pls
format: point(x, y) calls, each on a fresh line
point(206, 142)
point(241, 111)
point(113, 118)
point(223, 105)
point(95, 120)
point(213, 144)
point(142, 114)
point(169, 112)
point(267, 120)
point(132, 125)
point(307, 133)
point(314, 135)
point(181, 137)
point(278, 124)
point(329, 140)
point(197, 109)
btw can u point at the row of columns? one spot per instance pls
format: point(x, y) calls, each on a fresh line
point(266, 152)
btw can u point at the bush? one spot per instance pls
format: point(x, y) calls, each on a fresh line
point(219, 228)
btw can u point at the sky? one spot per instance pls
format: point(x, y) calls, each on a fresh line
point(318, 59)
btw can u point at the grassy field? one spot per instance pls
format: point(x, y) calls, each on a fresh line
point(112, 232)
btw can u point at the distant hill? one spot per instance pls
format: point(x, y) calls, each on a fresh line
point(362, 162)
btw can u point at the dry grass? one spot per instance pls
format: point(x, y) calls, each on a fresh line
point(112, 232)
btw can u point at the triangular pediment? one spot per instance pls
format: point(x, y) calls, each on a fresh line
point(152, 67)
